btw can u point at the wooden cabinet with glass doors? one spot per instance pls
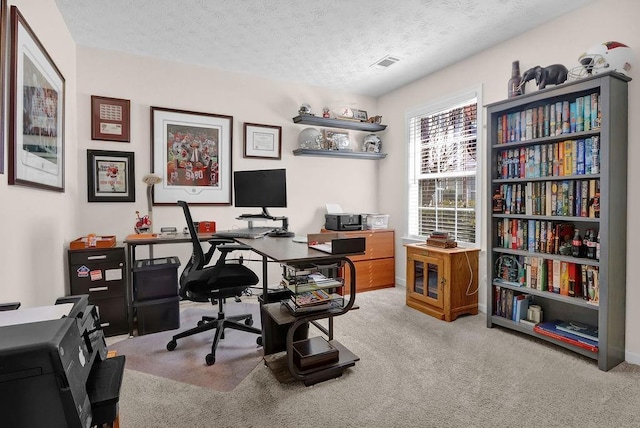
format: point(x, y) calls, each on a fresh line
point(442, 282)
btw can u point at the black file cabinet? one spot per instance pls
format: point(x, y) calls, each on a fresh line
point(101, 273)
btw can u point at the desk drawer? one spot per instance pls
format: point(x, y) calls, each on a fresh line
point(99, 283)
point(96, 255)
point(113, 315)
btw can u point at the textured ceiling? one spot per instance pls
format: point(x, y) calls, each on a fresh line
point(328, 43)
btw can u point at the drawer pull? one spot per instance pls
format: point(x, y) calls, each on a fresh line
point(99, 289)
point(101, 257)
point(105, 324)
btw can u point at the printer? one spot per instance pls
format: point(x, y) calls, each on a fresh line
point(53, 368)
point(342, 221)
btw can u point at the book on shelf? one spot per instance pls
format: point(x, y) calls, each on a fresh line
point(579, 329)
point(550, 328)
point(295, 309)
point(310, 298)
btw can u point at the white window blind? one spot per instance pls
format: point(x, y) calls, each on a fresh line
point(443, 169)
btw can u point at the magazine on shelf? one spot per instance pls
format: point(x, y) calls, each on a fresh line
point(297, 310)
point(579, 329)
point(550, 328)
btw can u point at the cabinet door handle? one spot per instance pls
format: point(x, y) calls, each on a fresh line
point(101, 257)
point(105, 324)
point(99, 289)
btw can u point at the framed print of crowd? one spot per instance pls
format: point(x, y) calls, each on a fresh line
point(192, 154)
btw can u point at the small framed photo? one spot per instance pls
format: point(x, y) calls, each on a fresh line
point(336, 140)
point(262, 141)
point(360, 115)
point(110, 119)
point(110, 176)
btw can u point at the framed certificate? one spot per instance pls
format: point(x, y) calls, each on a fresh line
point(110, 119)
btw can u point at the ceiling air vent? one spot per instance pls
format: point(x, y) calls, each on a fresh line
point(385, 61)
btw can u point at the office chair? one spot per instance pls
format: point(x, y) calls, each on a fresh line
point(200, 283)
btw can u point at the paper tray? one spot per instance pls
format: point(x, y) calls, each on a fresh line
point(82, 243)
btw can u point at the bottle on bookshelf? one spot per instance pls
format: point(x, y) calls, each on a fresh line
point(514, 87)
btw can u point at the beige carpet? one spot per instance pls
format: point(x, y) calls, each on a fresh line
point(237, 354)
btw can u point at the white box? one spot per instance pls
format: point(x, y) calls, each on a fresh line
point(377, 221)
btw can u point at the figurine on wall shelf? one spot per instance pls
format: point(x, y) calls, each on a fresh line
point(304, 109)
point(551, 75)
point(325, 112)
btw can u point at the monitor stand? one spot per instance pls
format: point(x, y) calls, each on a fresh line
point(282, 232)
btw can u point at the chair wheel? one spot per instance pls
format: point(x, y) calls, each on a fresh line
point(210, 359)
point(248, 321)
point(172, 345)
point(259, 340)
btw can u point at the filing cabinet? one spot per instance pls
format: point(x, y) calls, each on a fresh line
point(101, 273)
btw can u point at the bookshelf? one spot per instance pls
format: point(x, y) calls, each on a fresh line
point(557, 164)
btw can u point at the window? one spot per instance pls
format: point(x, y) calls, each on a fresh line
point(444, 170)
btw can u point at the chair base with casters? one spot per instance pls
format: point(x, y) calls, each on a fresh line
point(219, 323)
point(202, 282)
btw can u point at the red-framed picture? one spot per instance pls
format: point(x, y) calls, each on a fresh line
point(110, 119)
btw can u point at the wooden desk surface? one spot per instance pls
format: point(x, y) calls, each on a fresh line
point(286, 251)
point(163, 239)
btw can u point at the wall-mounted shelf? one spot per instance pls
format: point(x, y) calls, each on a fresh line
point(308, 119)
point(339, 154)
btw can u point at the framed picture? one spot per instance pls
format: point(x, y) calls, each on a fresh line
point(36, 112)
point(262, 141)
point(360, 115)
point(336, 140)
point(110, 118)
point(3, 61)
point(110, 176)
point(191, 151)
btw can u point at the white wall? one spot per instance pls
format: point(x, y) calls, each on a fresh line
point(311, 181)
point(560, 41)
point(37, 224)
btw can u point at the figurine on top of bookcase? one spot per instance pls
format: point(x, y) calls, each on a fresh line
point(551, 75)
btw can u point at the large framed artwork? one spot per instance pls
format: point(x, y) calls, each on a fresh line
point(36, 112)
point(3, 62)
point(191, 151)
point(110, 176)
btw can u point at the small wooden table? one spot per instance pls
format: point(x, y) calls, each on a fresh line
point(442, 282)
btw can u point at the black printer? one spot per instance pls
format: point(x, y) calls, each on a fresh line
point(54, 372)
point(343, 221)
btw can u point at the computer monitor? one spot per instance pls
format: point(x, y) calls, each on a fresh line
point(265, 188)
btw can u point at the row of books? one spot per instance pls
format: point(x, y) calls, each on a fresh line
point(559, 159)
point(542, 236)
point(572, 198)
point(510, 304)
point(552, 119)
point(556, 276)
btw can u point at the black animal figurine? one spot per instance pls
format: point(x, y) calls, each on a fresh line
point(552, 75)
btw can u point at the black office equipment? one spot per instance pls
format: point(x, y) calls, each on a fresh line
point(50, 365)
point(343, 222)
point(265, 188)
point(155, 293)
point(211, 283)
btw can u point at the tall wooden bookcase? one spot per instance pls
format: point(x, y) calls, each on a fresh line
point(523, 159)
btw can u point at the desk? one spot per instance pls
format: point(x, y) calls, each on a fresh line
point(285, 251)
point(132, 242)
